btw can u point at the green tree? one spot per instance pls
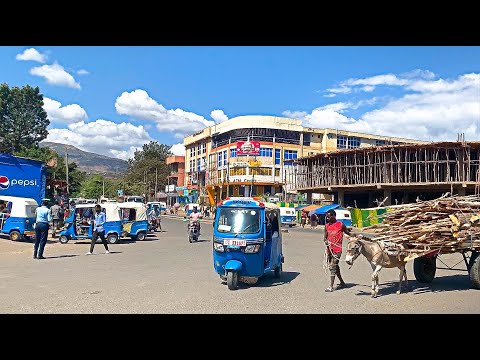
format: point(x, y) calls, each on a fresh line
point(23, 121)
point(147, 167)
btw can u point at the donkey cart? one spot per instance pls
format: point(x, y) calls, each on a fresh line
point(425, 266)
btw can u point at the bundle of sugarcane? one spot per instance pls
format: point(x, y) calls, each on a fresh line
point(449, 224)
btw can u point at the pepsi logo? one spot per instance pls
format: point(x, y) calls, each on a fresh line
point(4, 183)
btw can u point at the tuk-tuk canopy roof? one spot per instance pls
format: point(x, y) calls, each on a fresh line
point(140, 209)
point(323, 210)
point(19, 205)
point(247, 201)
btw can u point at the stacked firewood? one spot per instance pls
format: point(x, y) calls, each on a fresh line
point(448, 224)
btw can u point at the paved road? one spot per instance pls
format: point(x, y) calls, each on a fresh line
point(166, 274)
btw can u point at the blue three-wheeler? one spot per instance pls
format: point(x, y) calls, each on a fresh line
point(247, 241)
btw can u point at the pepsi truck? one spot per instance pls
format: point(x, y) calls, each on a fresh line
point(22, 188)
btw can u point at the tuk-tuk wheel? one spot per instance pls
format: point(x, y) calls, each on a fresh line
point(141, 236)
point(232, 280)
point(278, 271)
point(112, 239)
point(475, 270)
point(63, 239)
point(424, 268)
point(15, 235)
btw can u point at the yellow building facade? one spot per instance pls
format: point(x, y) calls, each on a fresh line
point(212, 162)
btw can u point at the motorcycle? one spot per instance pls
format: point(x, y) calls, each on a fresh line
point(153, 223)
point(193, 231)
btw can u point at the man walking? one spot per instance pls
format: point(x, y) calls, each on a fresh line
point(334, 231)
point(43, 217)
point(55, 211)
point(98, 230)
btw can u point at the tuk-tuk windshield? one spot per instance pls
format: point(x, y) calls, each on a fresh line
point(238, 221)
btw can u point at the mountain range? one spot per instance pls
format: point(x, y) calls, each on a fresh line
point(88, 161)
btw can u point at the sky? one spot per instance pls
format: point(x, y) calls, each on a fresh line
point(112, 100)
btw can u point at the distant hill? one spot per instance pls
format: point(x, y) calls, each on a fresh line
point(87, 161)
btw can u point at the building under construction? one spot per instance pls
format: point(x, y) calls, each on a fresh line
point(390, 175)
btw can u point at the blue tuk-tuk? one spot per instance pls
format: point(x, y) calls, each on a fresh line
point(79, 225)
point(247, 241)
point(17, 217)
point(134, 220)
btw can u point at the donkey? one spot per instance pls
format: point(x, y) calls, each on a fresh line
point(378, 258)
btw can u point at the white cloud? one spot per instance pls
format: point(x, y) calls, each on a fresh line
point(102, 137)
point(64, 114)
point(138, 104)
point(418, 74)
point(55, 74)
point(294, 114)
point(82, 72)
point(178, 136)
point(340, 90)
point(32, 55)
point(437, 111)
point(368, 88)
point(178, 149)
point(125, 154)
point(218, 116)
point(340, 106)
point(330, 95)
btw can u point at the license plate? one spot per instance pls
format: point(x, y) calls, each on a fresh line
point(235, 242)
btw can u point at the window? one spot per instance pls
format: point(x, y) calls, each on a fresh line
point(267, 152)
point(353, 142)
point(225, 161)
point(380, 142)
point(192, 166)
point(219, 174)
point(199, 147)
point(261, 171)
point(204, 162)
point(342, 142)
point(290, 154)
point(233, 152)
point(238, 171)
point(306, 139)
point(220, 159)
point(277, 156)
point(198, 164)
point(204, 148)
point(277, 172)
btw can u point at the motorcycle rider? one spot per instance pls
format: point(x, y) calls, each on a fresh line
point(194, 217)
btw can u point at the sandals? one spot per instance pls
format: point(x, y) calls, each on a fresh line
point(328, 289)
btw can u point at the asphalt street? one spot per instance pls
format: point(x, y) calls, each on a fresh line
point(167, 274)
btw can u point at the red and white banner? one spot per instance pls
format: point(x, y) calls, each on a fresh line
point(248, 148)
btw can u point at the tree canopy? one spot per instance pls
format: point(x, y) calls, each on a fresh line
point(23, 121)
point(146, 164)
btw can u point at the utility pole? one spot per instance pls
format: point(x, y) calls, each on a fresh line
point(66, 171)
point(156, 181)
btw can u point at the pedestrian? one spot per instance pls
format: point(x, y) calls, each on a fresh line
point(98, 230)
point(333, 239)
point(313, 220)
point(304, 218)
point(43, 217)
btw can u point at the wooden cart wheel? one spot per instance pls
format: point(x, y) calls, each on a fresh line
point(475, 269)
point(424, 269)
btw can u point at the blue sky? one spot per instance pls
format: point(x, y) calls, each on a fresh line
point(112, 100)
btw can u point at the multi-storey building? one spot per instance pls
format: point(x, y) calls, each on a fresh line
point(176, 166)
point(213, 162)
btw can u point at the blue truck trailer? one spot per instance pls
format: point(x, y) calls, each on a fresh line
point(22, 177)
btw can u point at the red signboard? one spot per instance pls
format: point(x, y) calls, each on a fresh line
point(248, 148)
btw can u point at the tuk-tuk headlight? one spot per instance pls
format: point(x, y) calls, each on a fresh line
point(218, 247)
point(252, 249)
point(27, 221)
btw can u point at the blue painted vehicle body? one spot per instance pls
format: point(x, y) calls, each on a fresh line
point(242, 240)
point(18, 220)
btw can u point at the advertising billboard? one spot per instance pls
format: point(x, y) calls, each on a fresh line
point(248, 148)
